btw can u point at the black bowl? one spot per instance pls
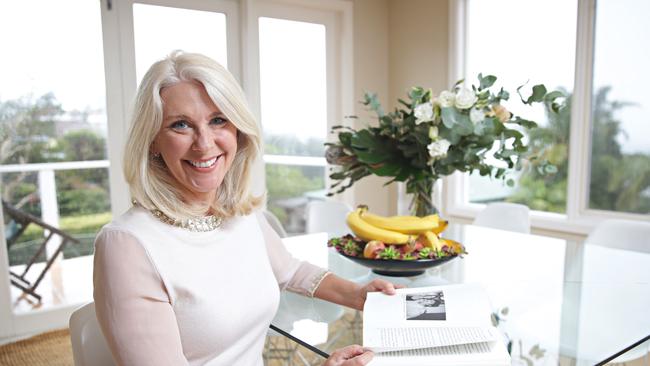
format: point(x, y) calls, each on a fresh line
point(399, 268)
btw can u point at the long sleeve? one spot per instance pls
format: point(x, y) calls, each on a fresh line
point(133, 307)
point(293, 275)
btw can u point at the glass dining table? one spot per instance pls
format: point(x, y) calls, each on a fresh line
point(555, 302)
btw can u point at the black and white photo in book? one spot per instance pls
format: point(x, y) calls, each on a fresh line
point(425, 306)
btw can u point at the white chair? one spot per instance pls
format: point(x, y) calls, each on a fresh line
point(616, 252)
point(505, 216)
point(622, 234)
point(275, 223)
point(327, 216)
point(89, 346)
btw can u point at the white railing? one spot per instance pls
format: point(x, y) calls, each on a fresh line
point(295, 160)
point(47, 187)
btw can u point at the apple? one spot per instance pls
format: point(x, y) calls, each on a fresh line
point(372, 249)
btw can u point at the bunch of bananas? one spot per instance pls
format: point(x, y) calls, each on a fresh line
point(396, 229)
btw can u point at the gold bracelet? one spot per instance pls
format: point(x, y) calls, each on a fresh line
point(316, 283)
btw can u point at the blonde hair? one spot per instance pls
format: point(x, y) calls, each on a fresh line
point(150, 183)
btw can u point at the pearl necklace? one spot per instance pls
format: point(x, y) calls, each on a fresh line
point(197, 224)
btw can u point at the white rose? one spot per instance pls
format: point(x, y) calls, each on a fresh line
point(446, 99)
point(465, 98)
point(423, 112)
point(438, 148)
point(433, 132)
point(476, 115)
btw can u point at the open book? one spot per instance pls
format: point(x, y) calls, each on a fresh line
point(441, 325)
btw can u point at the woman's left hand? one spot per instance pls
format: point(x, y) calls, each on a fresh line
point(347, 293)
point(377, 285)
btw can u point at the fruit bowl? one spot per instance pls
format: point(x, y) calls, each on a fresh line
point(397, 267)
point(395, 260)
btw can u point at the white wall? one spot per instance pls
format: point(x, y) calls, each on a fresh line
point(397, 44)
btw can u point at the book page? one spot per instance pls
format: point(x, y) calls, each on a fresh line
point(427, 317)
point(391, 339)
point(492, 354)
point(462, 349)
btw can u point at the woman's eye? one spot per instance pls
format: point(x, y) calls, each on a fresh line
point(218, 121)
point(179, 125)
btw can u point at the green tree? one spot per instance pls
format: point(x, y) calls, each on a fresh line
point(539, 189)
point(81, 192)
point(283, 182)
point(26, 135)
point(619, 181)
point(83, 145)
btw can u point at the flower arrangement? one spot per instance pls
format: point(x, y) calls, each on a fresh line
point(429, 137)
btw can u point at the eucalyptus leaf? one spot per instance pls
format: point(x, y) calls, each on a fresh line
point(449, 116)
point(539, 91)
point(486, 81)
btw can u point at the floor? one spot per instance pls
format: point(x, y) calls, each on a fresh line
point(67, 282)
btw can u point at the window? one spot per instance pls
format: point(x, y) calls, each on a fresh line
point(530, 51)
point(619, 177)
point(160, 30)
point(599, 144)
point(293, 93)
point(53, 112)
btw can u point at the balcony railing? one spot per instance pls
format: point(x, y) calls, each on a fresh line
point(47, 186)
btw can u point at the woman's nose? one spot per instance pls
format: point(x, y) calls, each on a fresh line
point(202, 140)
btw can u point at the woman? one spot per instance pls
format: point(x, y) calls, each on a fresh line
point(191, 273)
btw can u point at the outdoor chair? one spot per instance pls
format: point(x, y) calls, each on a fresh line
point(18, 223)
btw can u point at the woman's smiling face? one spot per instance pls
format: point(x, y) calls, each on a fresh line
point(196, 141)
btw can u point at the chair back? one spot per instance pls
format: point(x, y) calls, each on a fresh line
point(505, 216)
point(330, 217)
point(327, 216)
point(89, 346)
point(275, 223)
point(622, 234)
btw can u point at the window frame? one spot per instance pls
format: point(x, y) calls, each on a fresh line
point(336, 16)
point(121, 79)
point(579, 219)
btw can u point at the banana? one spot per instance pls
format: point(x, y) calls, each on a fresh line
point(368, 232)
point(441, 227)
point(402, 224)
point(455, 246)
point(432, 241)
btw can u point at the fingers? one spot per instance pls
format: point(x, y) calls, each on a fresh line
point(348, 352)
point(360, 360)
point(383, 286)
point(353, 355)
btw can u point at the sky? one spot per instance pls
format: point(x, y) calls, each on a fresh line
point(64, 54)
point(535, 40)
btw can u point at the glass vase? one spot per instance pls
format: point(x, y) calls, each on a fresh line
point(422, 201)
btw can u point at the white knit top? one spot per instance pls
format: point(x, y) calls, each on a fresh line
point(168, 296)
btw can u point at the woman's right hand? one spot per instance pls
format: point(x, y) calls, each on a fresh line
point(353, 355)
